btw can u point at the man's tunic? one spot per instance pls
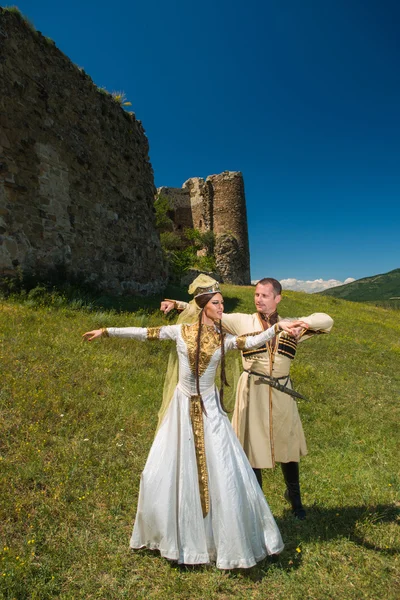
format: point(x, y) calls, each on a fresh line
point(267, 421)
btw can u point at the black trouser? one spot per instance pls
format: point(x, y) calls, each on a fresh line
point(258, 474)
point(290, 472)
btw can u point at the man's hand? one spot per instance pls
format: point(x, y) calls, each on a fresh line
point(167, 306)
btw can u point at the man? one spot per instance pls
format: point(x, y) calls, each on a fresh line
point(266, 419)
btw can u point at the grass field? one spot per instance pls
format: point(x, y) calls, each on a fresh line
point(77, 422)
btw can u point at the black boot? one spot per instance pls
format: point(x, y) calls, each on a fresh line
point(258, 474)
point(290, 472)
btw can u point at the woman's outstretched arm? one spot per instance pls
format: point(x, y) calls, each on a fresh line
point(168, 332)
point(254, 340)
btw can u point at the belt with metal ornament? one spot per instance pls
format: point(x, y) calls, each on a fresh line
point(274, 382)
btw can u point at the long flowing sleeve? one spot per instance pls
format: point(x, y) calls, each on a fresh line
point(251, 340)
point(142, 334)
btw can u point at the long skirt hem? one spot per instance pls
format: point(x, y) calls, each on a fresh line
point(203, 559)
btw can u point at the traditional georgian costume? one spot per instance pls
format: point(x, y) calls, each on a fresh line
point(199, 499)
point(266, 420)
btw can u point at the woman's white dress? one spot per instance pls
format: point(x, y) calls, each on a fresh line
point(239, 529)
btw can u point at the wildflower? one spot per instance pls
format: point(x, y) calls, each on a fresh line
point(298, 549)
point(85, 439)
point(120, 98)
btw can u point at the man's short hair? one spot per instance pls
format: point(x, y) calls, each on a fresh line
point(274, 282)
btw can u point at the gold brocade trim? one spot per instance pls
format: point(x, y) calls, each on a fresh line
point(311, 332)
point(271, 427)
point(210, 341)
point(283, 352)
point(288, 340)
point(255, 351)
point(241, 339)
point(287, 346)
point(272, 345)
point(153, 333)
point(196, 417)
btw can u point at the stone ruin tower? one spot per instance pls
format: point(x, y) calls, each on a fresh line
point(76, 184)
point(216, 204)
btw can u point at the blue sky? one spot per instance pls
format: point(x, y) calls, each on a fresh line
point(302, 96)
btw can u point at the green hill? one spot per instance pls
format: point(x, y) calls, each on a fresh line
point(384, 288)
point(78, 419)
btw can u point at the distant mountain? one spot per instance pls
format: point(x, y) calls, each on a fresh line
point(384, 288)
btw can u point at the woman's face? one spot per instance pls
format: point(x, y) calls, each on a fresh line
point(214, 307)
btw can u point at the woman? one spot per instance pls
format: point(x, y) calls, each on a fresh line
point(199, 500)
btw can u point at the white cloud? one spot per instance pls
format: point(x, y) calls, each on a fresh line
point(317, 285)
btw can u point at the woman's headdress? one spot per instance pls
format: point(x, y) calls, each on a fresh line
point(203, 284)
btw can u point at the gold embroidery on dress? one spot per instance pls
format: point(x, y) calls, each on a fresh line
point(241, 339)
point(196, 417)
point(210, 341)
point(153, 333)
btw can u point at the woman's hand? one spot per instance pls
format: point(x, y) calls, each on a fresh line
point(293, 328)
point(92, 335)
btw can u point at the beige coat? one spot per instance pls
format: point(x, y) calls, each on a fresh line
point(267, 421)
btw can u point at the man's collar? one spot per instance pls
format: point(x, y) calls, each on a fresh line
point(271, 318)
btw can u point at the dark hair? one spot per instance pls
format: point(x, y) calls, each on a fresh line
point(274, 282)
point(204, 299)
point(201, 302)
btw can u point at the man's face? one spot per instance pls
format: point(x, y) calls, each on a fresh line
point(265, 299)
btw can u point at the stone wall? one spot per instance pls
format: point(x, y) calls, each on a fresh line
point(76, 184)
point(179, 200)
point(216, 204)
